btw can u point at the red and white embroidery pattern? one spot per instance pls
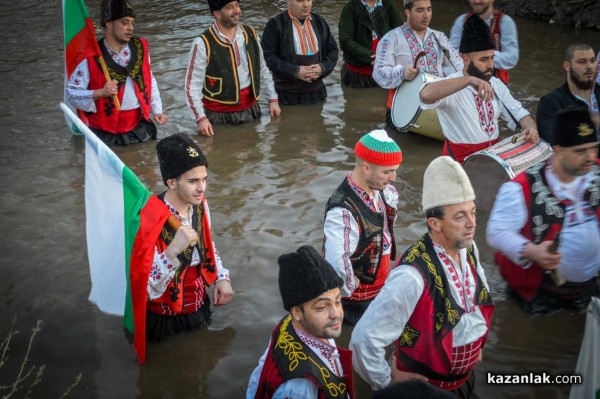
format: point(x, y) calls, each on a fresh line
point(429, 61)
point(487, 121)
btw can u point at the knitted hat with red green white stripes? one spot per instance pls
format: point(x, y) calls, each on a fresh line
point(378, 148)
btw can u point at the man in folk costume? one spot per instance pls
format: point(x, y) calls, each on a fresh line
point(132, 85)
point(435, 305)
point(362, 24)
point(300, 51)
point(302, 360)
point(558, 200)
point(579, 89)
point(469, 102)
point(401, 48)
point(504, 34)
point(359, 222)
point(226, 72)
point(186, 261)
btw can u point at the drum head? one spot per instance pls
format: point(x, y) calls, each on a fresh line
point(405, 105)
point(486, 175)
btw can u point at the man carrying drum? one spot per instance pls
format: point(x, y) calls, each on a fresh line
point(557, 197)
point(413, 47)
point(470, 101)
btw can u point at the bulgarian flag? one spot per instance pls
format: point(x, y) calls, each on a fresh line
point(123, 223)
point(80, 41)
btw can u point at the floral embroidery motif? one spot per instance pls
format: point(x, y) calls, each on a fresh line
point(487, 121)
point(430, 60)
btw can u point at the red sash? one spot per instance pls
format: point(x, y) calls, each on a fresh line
point(460, 151)
point(247, 100)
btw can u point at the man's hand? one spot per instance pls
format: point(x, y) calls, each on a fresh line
point(410, 73)
point(541, 255)
point(161, 119)
point(185, 237)
point(109, 89)
point(401, 376)
point(274, 109)
point(484, 89)
point(531, 135)
point(222, 293)
point(205, 128)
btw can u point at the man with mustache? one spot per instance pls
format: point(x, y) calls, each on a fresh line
point(580, 65)
point(302, 360)
point(226, 72)
point(504, 34)
point(359, 222)
point(398, 50)
point(300, 51)
point(470, 101)
point(132, 84)
point(558, 197)
point(435, 306)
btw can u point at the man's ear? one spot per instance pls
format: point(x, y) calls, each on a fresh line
point(434, 224)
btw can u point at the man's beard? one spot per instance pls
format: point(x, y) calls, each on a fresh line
point(478, 73)
point(581, 84)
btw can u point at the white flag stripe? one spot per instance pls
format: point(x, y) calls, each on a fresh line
point(105, 228)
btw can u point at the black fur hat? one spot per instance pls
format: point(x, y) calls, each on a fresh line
point(476, 36)
point(177, 154)
point(573, 126)
point(304, 275)
point(216, 5)
point(111, 10)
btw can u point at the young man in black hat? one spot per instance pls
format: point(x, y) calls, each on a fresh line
point(186, 261)
point(555, 202)
point(128, 62)
point(302, 360)
point(470, 101)
point(226, 72)
point(579, 89)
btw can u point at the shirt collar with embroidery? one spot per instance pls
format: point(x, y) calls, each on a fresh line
point(365, 196)
point(370, 9)
point(327, 349)
point(175, 212)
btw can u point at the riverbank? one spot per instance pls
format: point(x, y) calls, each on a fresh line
point(577, 13)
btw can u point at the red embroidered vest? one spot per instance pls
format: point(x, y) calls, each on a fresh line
point(107, 117)
point(189, 284)
point(290, 358)
point(425, 345)
point(367, 260)
point(545, 218)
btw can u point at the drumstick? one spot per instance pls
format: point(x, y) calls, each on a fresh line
point(517, 137)
point(418, 57)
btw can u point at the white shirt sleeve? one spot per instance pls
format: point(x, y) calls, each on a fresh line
point(194, 78)
point(161, 274)
point(388, 73)
point(507, 218)
point(456, 31)
point(267, 87)
point(508, 56)
point(383, 322)
point(156, 106)
point(508, 102)
point(341, 239)
point(452, 62)
point(77, 88)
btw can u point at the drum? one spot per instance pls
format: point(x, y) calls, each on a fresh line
point(407, 114)
point(491, 167)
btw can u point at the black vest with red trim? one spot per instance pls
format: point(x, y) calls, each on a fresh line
point(425, 345)
point(221, 82)
point(501, 74)
point(366, 259)
point(289, 358)
point(107, 117)
point(546, 214)
point(189, 282)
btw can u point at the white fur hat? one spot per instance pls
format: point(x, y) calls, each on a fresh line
point(445, 183)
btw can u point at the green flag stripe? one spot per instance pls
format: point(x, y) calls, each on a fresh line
point(75, 14)
point(135, 196)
